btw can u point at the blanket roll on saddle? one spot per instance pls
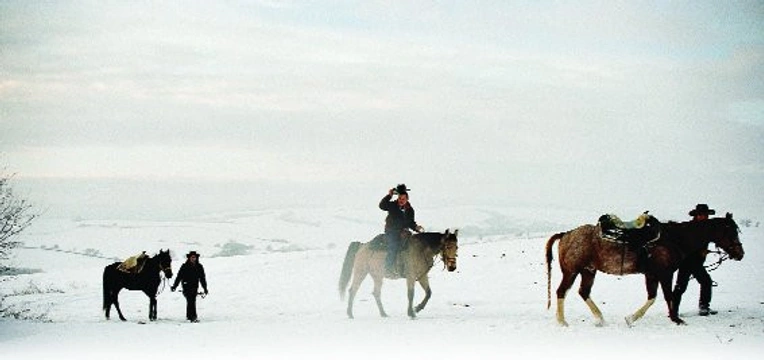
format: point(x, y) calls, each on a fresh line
point(637, 223)
point(133, 264)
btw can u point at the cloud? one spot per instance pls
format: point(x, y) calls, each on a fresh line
point(490, 92)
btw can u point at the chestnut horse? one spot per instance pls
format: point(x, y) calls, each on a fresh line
point(583, 251)
point(417, 256)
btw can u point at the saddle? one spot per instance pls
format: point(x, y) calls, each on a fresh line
point(636, 232)
point(379, 243)
point(133, 264)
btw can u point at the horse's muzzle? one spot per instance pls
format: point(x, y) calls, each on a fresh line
point(736, 252)
point(451, 266)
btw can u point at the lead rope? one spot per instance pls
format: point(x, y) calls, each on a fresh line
point(723, 256)
point(715, 265)
point(164, 284)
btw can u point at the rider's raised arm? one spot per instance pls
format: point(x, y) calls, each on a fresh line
point(385, 204)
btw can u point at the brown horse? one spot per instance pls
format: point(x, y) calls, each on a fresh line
point(583, 251)
point(690, 236)
point(416, 256)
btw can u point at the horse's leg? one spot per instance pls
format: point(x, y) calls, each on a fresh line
point(567, 281)
point(152, 308)
point(358, 276)
point(425, 282)
point(585, 290)
point(682, 279)
point(668, 295)
point(115, 301)
point(378, 278)
point(410, 282)
point(651, 283)
point(151, 292)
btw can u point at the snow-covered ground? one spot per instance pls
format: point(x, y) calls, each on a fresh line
point(273, 278)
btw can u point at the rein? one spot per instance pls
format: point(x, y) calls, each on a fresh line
point(164, 278)
point(164, 284)
point(715, 265)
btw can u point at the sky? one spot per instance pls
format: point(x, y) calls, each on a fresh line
point(602, 104)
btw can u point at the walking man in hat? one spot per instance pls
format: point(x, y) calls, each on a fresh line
point(693, 266)
point(400, 216)
point(192, 274)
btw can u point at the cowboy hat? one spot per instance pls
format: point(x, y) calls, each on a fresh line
point(702, 209)
point(192, 253)
point(401, 189)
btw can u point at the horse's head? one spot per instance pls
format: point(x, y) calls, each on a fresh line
point(448, 249)
point(727, 238)
point(164, 261)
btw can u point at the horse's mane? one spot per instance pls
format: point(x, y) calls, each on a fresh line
point(432, 239)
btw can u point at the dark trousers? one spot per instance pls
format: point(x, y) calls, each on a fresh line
point(190, 305)
point(393, 247)
point(693, 266)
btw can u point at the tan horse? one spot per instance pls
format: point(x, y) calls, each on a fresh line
point(417, 257)
point(584, 251)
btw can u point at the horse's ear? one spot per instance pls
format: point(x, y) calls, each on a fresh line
point(729, 215)
point(456, 232)
point(447, 230)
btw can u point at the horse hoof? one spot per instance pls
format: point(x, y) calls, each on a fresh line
point(629, 320)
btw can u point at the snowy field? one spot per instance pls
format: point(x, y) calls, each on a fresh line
point(273, 278)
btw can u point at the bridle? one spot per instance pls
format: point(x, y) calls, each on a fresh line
point(164, 269)
point(444, 249)
point(721, 252)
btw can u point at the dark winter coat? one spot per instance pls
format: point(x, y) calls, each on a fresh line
point(191, 275)
point(397, 218)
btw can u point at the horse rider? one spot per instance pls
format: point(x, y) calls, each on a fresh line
point(693, 266)
point(192, 274)
point(400, 216)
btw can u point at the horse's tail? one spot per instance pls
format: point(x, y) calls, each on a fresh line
point(549, 245)
point(347, 267)
point(106, 302)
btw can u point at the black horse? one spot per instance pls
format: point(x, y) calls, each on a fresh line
point(147, 280)
point(693, 237)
